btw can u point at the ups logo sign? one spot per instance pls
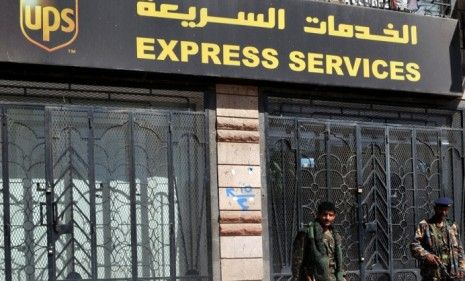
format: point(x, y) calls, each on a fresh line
point(51, 25)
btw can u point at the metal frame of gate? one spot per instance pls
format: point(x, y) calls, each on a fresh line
point(382, 178)
point(115, 194)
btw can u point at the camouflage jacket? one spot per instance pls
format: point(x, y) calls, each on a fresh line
point(309, 258)
point(427, 242)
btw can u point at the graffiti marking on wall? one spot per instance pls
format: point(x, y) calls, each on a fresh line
point(243, 197)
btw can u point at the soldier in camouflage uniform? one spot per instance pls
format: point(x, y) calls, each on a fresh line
point(317, 254)
point(438, 247)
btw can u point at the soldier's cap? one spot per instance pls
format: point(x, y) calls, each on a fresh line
point(443, 201)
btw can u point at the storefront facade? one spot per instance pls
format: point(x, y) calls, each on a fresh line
point(191, 140)
point(383, 166)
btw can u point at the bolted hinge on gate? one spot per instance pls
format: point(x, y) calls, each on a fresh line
point(172, 228)
point(39, 188)
point(359, 190)
point(50, 250)
point(362, 259)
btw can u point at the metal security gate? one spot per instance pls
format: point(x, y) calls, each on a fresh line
point(95, 194)
point(382, 179)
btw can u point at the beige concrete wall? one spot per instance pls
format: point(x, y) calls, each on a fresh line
point(239, 183)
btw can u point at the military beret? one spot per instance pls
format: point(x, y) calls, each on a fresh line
point(443, 201)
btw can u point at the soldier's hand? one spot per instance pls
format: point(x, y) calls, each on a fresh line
point(432, 259)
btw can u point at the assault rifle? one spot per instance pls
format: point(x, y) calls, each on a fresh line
point(445, 274)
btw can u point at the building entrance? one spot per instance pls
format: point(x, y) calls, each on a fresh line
point(382, 178)
point(103, 194)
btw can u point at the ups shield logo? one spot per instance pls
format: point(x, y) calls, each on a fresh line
point(49, 24)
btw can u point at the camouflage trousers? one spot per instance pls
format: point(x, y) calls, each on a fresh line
point(332, 278)
point(431, 274)
point(435, 278)
point(440, 279)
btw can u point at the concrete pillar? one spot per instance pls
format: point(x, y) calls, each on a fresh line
point(239, 183)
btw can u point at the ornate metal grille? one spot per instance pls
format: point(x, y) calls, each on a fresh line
point(381, 177)
point(103, 194)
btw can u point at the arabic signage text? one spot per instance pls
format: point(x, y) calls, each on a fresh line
point(295, 41)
